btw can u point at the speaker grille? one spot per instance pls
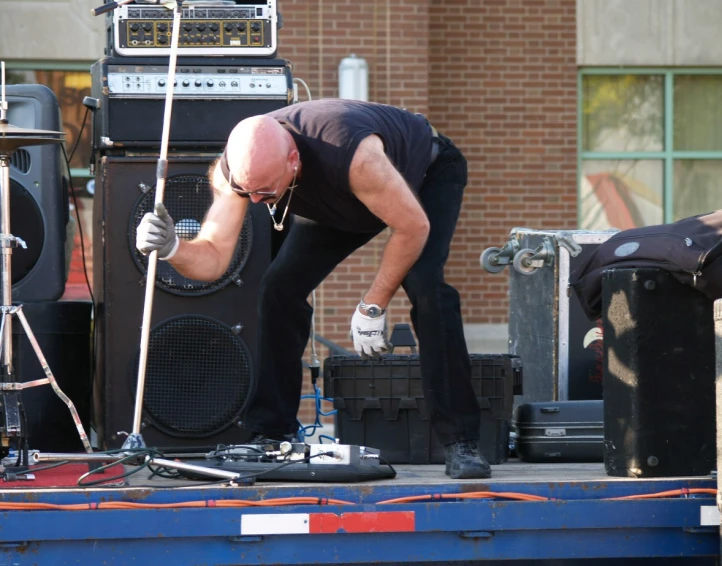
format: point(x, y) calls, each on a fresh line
point(198, 377)
point(187, 199)
point(26, 223)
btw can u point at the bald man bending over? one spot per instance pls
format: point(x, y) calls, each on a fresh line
point(345, 170)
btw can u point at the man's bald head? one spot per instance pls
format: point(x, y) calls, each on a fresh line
point(258, 148)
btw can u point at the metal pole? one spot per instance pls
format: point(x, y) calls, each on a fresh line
point(134, 438)
point(214, 472)
point(6, 247)
point(718, 394)
point(51, 379)
point(40, 457)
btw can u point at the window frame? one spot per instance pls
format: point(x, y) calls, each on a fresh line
point(74, 66)
point(668, 155)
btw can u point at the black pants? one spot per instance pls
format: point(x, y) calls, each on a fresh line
point(310, 253)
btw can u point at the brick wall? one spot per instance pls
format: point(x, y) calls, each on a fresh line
point(499, 77)
point(394, 40)
point(503, 85)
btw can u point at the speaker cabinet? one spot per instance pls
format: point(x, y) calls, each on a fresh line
point(63, 332)
point(38, 198)
point(659, 375)
point(200, 369)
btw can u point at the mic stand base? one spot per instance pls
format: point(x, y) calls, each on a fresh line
point(134, 442)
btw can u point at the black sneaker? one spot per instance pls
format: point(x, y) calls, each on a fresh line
point(463, 461)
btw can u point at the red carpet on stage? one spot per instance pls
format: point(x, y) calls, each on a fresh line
point(66, 475)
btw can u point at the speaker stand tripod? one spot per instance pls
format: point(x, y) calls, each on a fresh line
point(12, 423)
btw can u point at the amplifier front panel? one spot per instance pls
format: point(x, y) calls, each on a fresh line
point(208, 99)
point(248, 29)
point(193, 122)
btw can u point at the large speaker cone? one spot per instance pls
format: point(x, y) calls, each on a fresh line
point(26, 223)
point(198, 377)
point(187, 199)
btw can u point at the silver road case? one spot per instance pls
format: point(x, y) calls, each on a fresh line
point(560, 348)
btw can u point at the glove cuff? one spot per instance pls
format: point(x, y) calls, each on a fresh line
point(173, 250)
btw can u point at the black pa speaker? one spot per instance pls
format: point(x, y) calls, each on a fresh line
point(659, 375)
point(63, 332)
point(38, 198)
point(200, 369)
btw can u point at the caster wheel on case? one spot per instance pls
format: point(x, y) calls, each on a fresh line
point(489, 259)
point(522, 261)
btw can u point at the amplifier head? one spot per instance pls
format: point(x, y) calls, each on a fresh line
point(237, 28)
point(211, 95)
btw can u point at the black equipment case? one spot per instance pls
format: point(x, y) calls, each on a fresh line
point(380, 404)
point(560, 431)
point(659, 375)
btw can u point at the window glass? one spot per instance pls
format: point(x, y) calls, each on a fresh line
point(697, 187)
point(697, 113)
point(621, 194)
point(70, 87)
point(623, 113)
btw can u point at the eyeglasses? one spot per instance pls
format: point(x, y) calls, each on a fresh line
point(248, 194)
point(240, 191)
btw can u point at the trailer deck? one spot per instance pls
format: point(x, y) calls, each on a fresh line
point(525, 512)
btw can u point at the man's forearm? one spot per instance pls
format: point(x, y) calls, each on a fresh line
point(198, 259)
point(400, 254)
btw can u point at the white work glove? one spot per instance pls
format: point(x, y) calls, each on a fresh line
point(369, 335)
point(156, 231)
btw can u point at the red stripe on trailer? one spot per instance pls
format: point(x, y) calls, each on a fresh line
point(383, 522)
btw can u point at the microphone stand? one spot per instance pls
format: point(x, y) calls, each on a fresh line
point(134, 442)
point(135, 439)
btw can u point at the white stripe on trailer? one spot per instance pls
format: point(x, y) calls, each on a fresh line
point(275, 524)
point(709, 516)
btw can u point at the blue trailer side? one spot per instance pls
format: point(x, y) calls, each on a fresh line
point(446, 522)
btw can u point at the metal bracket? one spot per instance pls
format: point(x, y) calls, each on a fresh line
point(566, 240)
point(544, 254)
point(10, 241)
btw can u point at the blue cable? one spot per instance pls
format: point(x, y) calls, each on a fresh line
point(310, 430)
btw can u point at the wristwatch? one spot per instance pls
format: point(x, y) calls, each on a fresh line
point(372, 311)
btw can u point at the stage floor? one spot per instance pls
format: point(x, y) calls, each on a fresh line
point(423, 478)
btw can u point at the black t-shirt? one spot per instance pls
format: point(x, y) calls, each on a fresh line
point(327, 133)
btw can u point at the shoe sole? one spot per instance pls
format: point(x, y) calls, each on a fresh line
point(471, 475)
point(480, 473)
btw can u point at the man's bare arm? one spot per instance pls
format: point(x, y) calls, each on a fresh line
point(207, 257)
point(376, 182)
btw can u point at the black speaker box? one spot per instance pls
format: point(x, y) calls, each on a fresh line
point(659, 375)
point(200, 369)
point(38, 198)
point(63, 332)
